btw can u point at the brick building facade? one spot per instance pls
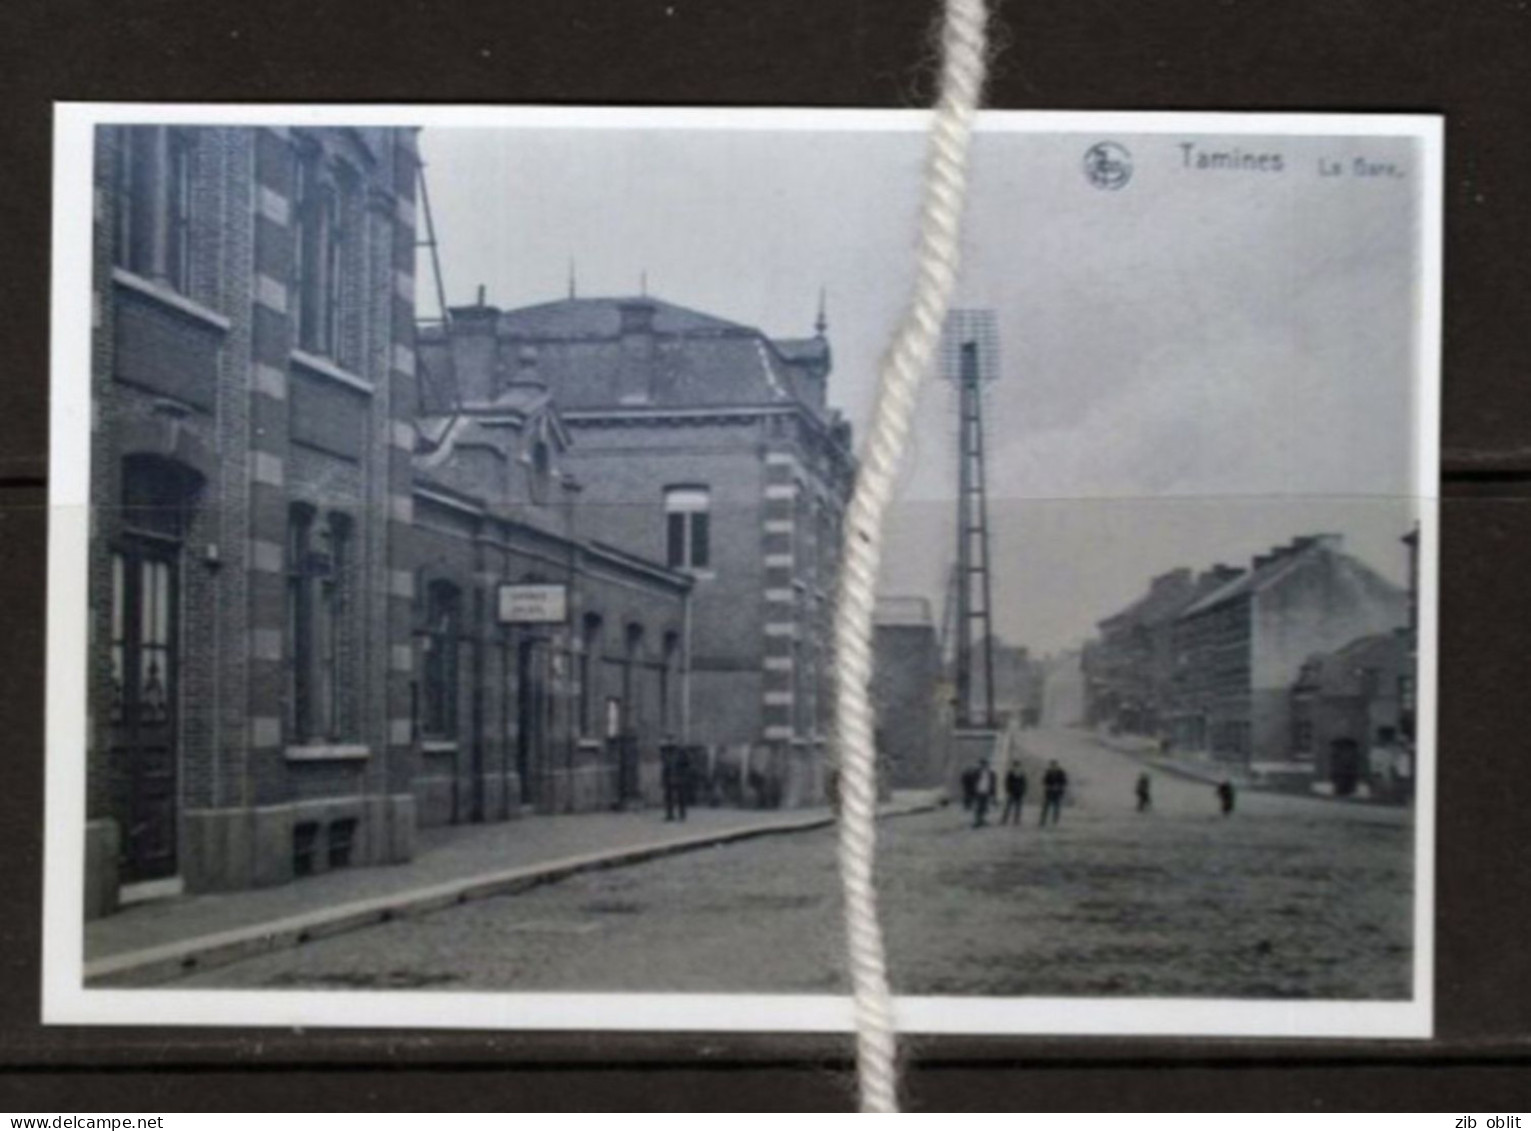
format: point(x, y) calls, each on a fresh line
point(561, 710)
point(1240, 648)
point(708, 446)
point(1349, 715)
point(1131, 664)
point(298, 652)
point(253, 376)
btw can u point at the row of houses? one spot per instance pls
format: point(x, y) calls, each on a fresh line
point(1301, 664)
point(351, 576)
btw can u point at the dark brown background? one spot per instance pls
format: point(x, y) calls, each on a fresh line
point(1466, 60)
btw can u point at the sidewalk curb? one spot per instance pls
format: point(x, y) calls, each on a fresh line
point(154, 965)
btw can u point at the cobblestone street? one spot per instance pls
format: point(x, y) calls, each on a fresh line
point(1289, 897)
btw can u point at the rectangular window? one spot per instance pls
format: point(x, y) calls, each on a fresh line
point(688, 533)
point(320, 259)
point(153, 233)
point(178, 211)
point(331, 580)
point(589, 662)
point(342, 842)
point(305, 252)
point(129, 200)
point(442, 628)
point(299, 619)
point(317, 597)
point(334, 276)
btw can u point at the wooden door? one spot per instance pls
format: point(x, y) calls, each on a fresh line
point(145, 706)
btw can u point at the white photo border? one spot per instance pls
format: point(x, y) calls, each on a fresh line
point(67, 1000)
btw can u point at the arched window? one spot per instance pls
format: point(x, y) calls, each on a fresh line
point(688, 527)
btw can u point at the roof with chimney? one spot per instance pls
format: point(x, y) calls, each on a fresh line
point(619, 354)
point(1167, 595)
point(1268, 569)
point(602, 318)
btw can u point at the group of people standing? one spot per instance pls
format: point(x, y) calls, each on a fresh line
point(980, 789)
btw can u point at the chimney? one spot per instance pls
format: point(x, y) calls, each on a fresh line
point(1221, 574)
point(1173, 579)
point(472, 331)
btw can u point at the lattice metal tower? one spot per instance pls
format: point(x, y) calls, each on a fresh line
point(970, 360)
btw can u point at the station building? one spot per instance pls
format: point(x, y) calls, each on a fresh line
point(710, 447)
point(549, 667)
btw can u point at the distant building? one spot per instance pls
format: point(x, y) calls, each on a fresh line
point(708, 446)
point(1350, 715)
point(1017, 685)
point(1063, 690)
point(1130, 666)
point(911, 696)
point(1239, 649)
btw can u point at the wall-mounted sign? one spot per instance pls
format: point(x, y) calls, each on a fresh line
point(534, 604)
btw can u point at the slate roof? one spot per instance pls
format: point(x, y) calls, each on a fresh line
point(1341, 673)
point(1159, 604)
point(601, 318)
point(1255, 579)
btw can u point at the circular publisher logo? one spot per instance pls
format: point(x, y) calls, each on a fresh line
point(1108, 165)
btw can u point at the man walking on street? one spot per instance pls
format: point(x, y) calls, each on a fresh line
point(1015, 793)
point(1225, 796)
point(1145, 799)
point(985, 786)
point(970, 784)
point(1054, 783)
point(674, 773)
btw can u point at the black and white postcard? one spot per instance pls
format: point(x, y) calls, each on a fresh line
point(447, 509)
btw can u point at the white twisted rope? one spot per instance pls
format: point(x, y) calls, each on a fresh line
point(962, 73)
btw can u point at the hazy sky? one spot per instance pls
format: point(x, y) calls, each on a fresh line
point(1194, 367)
